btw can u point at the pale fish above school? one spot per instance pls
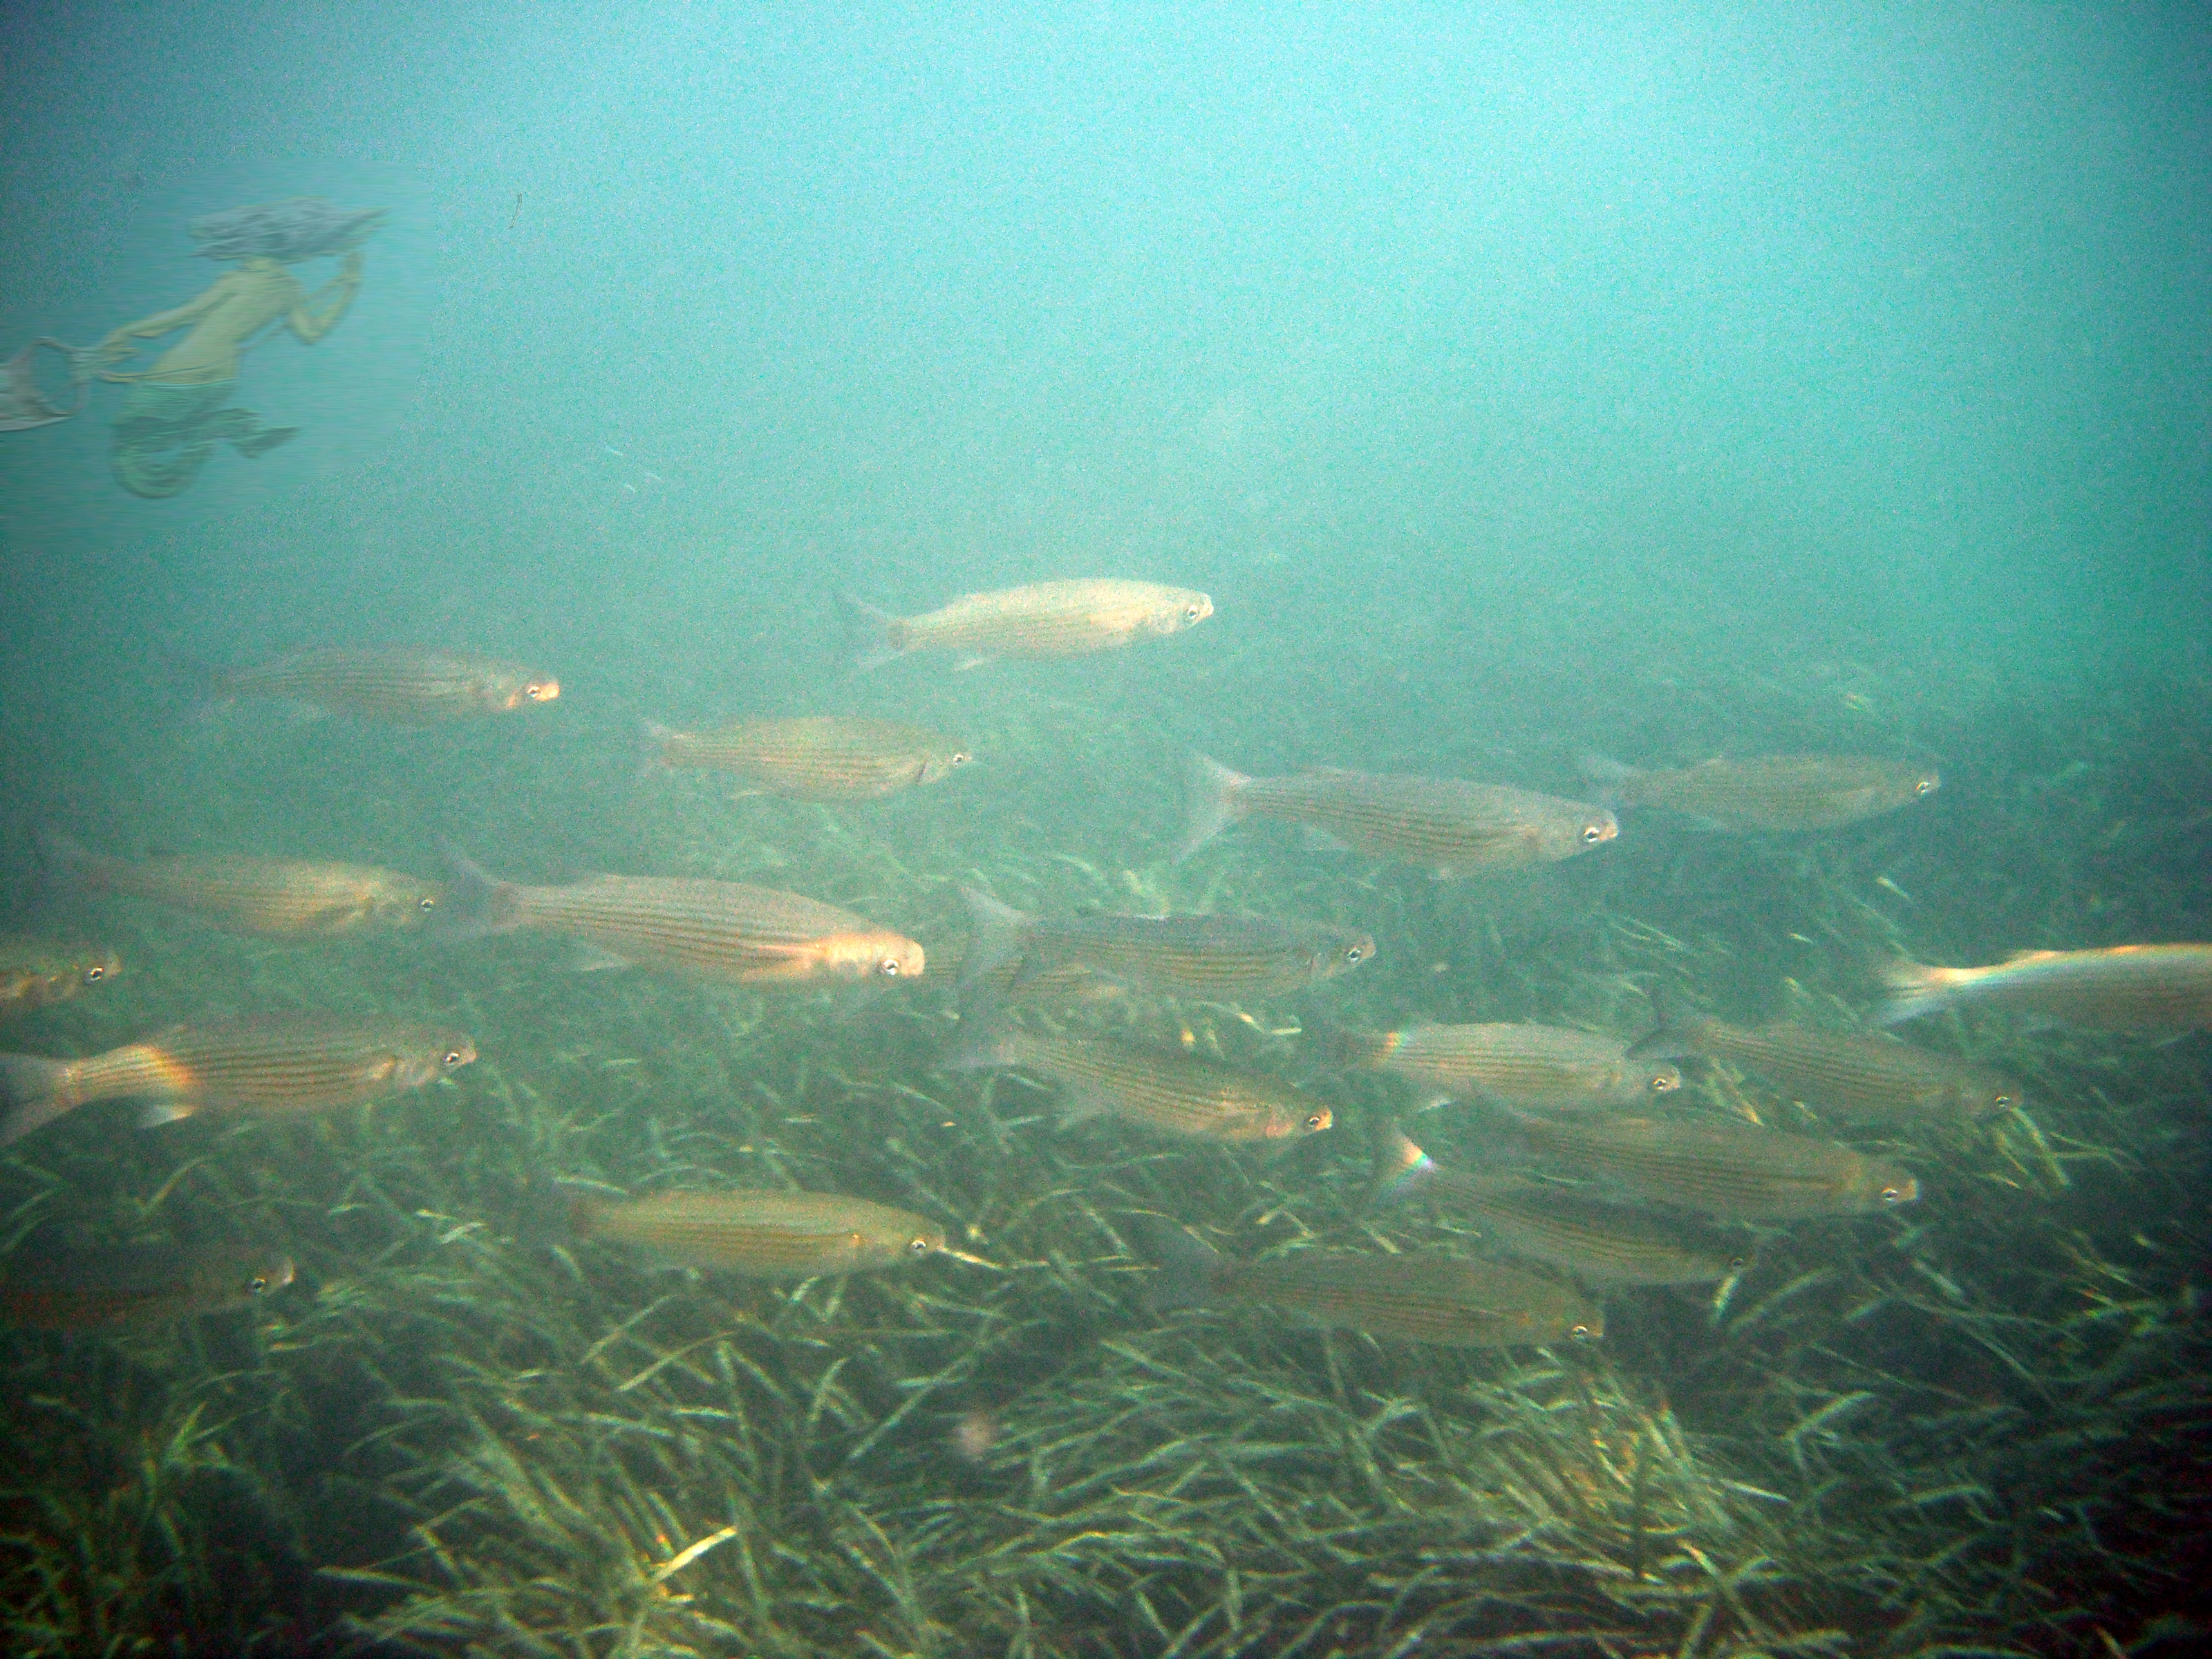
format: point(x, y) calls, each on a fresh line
point(1042, 619)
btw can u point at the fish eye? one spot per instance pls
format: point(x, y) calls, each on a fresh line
point(1593, 834)
point(94, 974)
point(1738, 1263)
point(257, 1285)
point(1316, 1123)
point(425, 903)
point(888, 968)
point(533, 691)
point(1581, 1334)
point(1355, 956)
point(2004, 1103)
point(1190, 613)
point(1925, 786)
point(961, 757)
point(1662, 1083)
point(1893, 1195)
point(917, 1246)
point(455, 1057)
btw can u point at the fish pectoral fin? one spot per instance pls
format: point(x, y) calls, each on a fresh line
point(154, 1113)
point(1317, 839)
point(967, 663)
point(595, 959)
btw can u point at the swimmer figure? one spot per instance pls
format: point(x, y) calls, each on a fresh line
point(178, 404)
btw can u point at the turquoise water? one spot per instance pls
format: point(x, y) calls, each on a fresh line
point(1517, 386)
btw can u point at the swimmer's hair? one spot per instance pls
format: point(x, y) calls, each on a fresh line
point(304, 227)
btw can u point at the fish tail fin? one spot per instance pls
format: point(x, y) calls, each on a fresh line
point(1607, 773)
point(1348, 1047)
point(478, 902)
point(1918, 989)
point(1213, 805)
point(998, 938)
point(552, 1215)
point(1402, 1170)
point(1187, 1267)
point(985, 1042)
point(1676, 1036)
point(34, 1092)
point(873, 636)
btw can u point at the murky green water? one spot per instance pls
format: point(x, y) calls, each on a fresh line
point(1517, 388)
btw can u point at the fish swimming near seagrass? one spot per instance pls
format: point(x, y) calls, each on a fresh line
point(1173, 1093)
point(1422, 1296)
point(1730, 1170)
point(1452, 826)
point(1225, 958)
point(271, 898)
point(1770, 792)
point(2126, 987)
point(721, 930)
point(1847, 1075)
point(1513, 1064)
point(1602, 1243)
point(271, 1065)
point(773, 1234)
point(816, 757)
point(134, 1284)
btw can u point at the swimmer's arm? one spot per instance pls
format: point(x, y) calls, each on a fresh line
point(117, 343)
point(336, 295)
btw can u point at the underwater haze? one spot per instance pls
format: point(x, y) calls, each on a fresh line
point(1526, 424)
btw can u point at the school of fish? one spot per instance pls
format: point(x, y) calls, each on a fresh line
point(1599, 1177)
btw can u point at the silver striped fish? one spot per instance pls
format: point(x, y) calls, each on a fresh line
point(1846, 1074)
point(816, 757)
point(130, 1284)
point(765, 1235)
point(1729, 1170)
point(1771, 792)
point(2127, 986)
point(1450, 825)
point(1611, 1243)
point(1169, 1092)
point(1515, 1064)
point(405, 685)
point(1224, 957)
point(277, 1065)
point(722, 930)
point(1416, 1296)
point(272, 898)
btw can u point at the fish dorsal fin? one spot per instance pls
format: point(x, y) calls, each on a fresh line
point(2030, 955)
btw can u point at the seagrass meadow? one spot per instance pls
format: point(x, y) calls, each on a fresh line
point(522, 521)
point(1978, 1425)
